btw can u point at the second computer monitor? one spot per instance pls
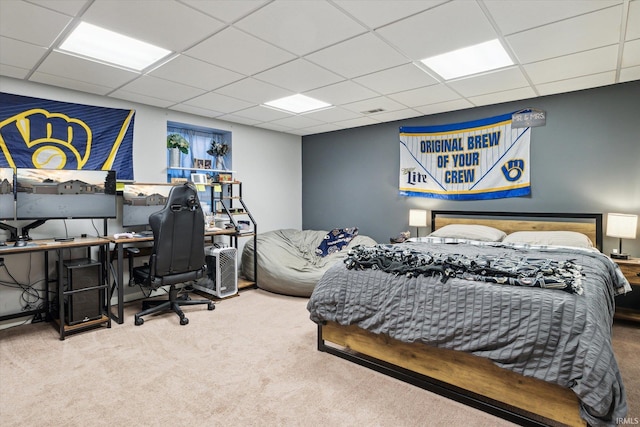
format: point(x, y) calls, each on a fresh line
point(141, 200)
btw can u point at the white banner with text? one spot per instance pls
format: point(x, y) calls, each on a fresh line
point(481, 159)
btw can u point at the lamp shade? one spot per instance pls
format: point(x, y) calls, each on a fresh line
point(622, 225)
point(417, 218)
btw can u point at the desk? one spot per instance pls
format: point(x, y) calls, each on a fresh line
point(45, 246)
point(119, 245)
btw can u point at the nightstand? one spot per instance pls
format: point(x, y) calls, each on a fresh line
point(628, 306)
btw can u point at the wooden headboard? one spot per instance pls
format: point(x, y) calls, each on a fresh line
point(589, 224)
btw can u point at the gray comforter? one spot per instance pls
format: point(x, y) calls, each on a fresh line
point(548, 334)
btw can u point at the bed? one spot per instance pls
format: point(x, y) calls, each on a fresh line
point(529, 354)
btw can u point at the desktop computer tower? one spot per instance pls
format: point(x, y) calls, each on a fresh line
point(82, 305)
point(222, 273)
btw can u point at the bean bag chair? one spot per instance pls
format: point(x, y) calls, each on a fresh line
point(291, 262)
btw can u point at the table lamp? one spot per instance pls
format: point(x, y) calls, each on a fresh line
point(417, 218)
point(622, 226)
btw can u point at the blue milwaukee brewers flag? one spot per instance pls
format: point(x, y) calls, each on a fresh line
point(44, 134)
point(482, 159)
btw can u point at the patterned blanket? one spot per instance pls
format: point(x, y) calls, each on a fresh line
point(518, 270)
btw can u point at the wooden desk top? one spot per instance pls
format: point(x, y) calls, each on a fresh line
point(51, 244)
point(112, 239)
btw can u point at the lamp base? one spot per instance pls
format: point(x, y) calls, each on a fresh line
point(619, 256)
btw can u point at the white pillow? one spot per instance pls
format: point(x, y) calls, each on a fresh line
point(555, 238)
point(471, 232)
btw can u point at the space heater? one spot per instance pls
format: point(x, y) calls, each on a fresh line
point(222, 273)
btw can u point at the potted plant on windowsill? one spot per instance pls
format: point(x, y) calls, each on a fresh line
point(176, 144)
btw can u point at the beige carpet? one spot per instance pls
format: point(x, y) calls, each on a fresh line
point(251, 362)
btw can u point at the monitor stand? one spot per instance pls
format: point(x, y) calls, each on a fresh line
point(26, 228)
point(13, 231)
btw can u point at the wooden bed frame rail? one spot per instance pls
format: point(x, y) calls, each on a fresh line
point(463, 377)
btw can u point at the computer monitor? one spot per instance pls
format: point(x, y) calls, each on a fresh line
point(7, 194)
point(7, 202)
point(141, 200)
point(44, 194)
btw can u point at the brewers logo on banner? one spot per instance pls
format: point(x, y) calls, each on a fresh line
point(44, 134)
point(482, 159)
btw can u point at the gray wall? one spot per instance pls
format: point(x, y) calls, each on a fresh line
point(585, 159)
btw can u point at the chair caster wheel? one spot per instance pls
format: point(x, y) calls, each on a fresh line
point(184, 321)
point(139, 321)
point(211, 306)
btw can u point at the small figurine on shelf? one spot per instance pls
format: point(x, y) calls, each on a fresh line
point(218, 150)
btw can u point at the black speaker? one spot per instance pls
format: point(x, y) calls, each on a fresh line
point(83, 305)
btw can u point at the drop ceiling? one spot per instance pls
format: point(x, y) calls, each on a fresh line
point(231, 56)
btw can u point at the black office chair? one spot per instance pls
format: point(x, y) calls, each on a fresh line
point(178, 253)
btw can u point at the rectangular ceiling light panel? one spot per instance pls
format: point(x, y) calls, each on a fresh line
point(297, 104)
point(469, 60)
point(97, 43)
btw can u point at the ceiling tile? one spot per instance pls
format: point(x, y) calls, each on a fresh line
point(305, 29)
point(226, 10)
point(496, 81)
point(341, 93)
point(254, 91)
point(430, 33)
point(578, 83)
point(20, 54)
point(326, 127)
point(633, 21)
point(68, 7)
point(261, 114)
point(629, 74)
point(162, 89)
point(193, 72)
point(515, 15)
point(566, 37)
point(204, 112)
point(391, 116)
point(217, 102)
point(166, 24)
point(333, 114)
point(375, 13)
point(380, 102)
point(239, 52)
point(274, 127)
point(631, 53)
point(358, 56)
point(43, 26)
point(442, 107)
point(144, 99)
point(69, 83)
point(234, 118)
point(15, 72)
point(71, 67)
point(351, 123)
point(425, 96)
point(297, 122)
point(396, 79)
point(503, 96)
point(299, 76)
point(570, 66)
